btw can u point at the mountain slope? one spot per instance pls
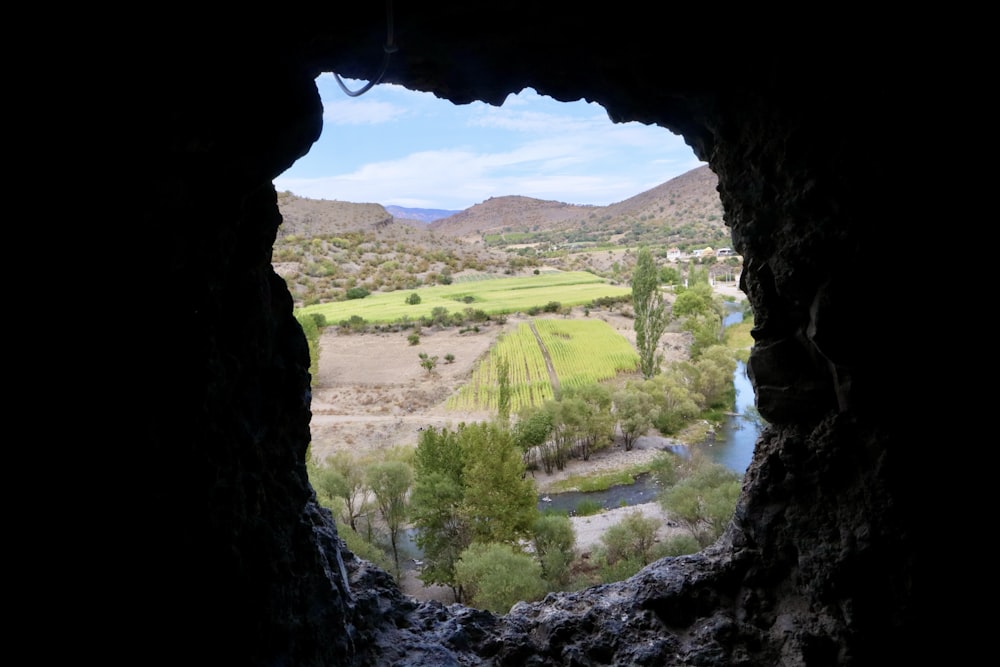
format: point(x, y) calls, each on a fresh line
point(515, 212)
point(685, 211)
point(323, 217)
point(325, 247)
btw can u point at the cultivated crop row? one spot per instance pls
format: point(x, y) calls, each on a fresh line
point(581, 352)
point(528, 375)
point(586, 351)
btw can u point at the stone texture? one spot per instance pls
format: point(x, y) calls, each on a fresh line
point(218, 553)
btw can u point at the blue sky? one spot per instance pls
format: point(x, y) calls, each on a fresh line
point(393, 146)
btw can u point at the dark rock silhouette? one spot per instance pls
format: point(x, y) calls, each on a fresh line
point(207, 543)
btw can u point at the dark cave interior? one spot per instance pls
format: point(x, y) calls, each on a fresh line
point(229, 559)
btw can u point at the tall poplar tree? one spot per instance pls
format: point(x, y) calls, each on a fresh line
point(503, 392)
point(651, 315)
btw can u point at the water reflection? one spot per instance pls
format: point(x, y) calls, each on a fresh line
point(732, 444)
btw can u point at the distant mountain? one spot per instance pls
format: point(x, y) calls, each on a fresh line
point(325, 246)
point(685, 211)
point(419, 214)
point(512, 212)
point(323, 217)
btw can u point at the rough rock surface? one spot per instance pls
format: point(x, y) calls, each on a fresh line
point(222, 554)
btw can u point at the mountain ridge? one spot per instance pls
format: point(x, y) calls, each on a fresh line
point(324, 248)
point(684, 211)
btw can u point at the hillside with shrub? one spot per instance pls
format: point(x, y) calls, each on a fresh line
point(326, 248)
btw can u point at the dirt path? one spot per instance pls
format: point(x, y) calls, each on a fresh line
point(553, 378)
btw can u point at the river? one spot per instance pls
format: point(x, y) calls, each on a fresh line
point(731, 445)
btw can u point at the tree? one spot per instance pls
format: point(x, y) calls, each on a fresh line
point(569, 415)
point(390, 484)
point(651, 315)
point(500, 501)
point(342, 477)
point(597, 426)
point(503, 391)
point(531, 431)
point(427, 361)
point(676, 401)
point(704, 501)
point(713, 376)
point(470, 486)
point(703, 314)
point(636, 410)
point(436, 512)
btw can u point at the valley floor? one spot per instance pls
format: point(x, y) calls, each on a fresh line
point(372, 394)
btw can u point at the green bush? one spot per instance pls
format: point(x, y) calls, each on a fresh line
point(413, 338)
point(633, 538)
point(620, 570)
point(495, 577)
point(413, 299)
point(356, 324)
point(680, 545)
point(357, 293)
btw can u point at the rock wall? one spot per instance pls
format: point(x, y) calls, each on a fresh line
point(222, 554)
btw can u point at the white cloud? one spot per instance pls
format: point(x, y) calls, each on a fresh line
point(361, 112)
point(530, 121)
point(412, 149)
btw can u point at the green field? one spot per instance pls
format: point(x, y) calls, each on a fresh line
point(586, 351)
point(495, 296)
point(581, 351)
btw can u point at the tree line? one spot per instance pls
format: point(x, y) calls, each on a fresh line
point(466, 494)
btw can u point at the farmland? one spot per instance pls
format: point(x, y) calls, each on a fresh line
point(581, 351)
point(492, 295)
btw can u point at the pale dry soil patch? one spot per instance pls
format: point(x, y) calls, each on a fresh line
point(372, 394)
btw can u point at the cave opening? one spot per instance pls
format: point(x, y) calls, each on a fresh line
point(559, 140)
point(219, 550)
